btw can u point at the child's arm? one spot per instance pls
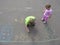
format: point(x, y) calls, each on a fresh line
point(50, 14)
point(26, 28)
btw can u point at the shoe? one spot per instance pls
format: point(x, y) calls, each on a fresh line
point(42, 19)
point(45, 22)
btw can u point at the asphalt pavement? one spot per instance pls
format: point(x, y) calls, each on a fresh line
point(12, 27)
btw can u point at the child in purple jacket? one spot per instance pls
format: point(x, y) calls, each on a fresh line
point(47, 13)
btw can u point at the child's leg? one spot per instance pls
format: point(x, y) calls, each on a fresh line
point(32, 25)
point(43, 18)
point(46, 19)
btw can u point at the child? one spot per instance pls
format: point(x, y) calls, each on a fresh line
point(29, 22)
point(47, 13)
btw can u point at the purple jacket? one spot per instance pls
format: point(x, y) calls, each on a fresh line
point(47, 13)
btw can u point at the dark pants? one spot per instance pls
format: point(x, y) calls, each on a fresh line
point(31, 25)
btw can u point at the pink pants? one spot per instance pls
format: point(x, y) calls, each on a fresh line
point(45, 17)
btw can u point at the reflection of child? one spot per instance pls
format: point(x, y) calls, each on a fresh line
point(47, 13)
point(29, 22)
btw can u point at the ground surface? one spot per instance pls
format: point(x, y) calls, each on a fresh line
point(12, 28)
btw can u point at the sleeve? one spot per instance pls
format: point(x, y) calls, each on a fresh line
point(51, 12)
point(45, 12)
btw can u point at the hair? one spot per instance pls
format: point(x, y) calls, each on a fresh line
point(47, 6)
